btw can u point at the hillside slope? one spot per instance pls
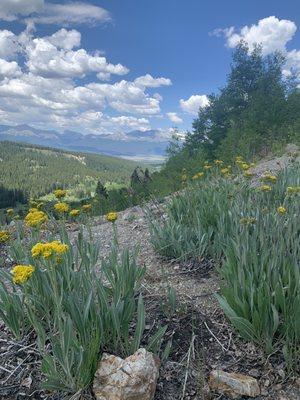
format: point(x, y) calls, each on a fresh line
point(37, 170)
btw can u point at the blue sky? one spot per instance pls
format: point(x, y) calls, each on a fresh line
point(93, 76)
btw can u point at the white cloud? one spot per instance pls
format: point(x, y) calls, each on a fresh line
point(272, 33)
point(141, 124)
point(9, 44)
point(42, 12)
point(45, 89)
point(71, 13)
point(64, 39)
point(292, 63)
point(148, 81)
point(192, 104)
point(9, 69)
point(173, 117)
point(12, 9)
point(52, 57)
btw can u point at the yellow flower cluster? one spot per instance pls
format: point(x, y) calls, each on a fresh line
point(248, 174)
point(21, 273)
point(35, 218)
point(290, 190)
point(61, 207)
point(86, 207)
point(60, 193)
point(207, 166)
point(218, 162)
point(47, 250)
point(269, 177)
point(111, 216)
point(198, 175)
point(265, 188)
point(281, 210)
point(4, 236)
point(10, 211)
point(248, 221)
point(74, 213)
point(225, 171)
point(183, 178)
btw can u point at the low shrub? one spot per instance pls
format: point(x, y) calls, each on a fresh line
point(77, 303)
point(252, 233)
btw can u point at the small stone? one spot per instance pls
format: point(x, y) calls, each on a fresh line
point(132, 378)
point(233, 385)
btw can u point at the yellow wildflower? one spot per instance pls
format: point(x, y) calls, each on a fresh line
point(198, 175)
point(47, 250)
point(74, 213)
point(207, 166)
point(86, 207)
point(268, 177)
point(265, 188)
point(60, 193)
point(111, 216)
point(292, 190)
point(281, 210)
point(184, 178)
point(4, 236)
point(248, 221)
point(10, 211)
point(248, 174)
point(218, 162)
point(245, 166)
point(61, 207)
point(21, 273)
point(225, 171)
point(35, 218)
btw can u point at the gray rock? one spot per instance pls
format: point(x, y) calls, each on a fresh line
point(233, 385)
point(130, 379)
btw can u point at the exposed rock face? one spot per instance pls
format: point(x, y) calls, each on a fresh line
point(131, 379)
point(233, 385)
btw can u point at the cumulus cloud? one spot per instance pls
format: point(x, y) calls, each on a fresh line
point(45, 59)
point(46, 88)
point(173, 117)
point(148, 81)
point(9, 69)
point(64, 39)
point(292, 63)
point(141, 124)
point(9, 44)
point(192, 104)
point(272, 33)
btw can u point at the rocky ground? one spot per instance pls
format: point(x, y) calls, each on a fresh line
point(202, 338)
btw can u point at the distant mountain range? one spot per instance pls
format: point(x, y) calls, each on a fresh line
point(144, 145)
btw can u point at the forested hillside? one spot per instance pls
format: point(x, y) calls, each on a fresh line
point(256, 113)
point(27, 170)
